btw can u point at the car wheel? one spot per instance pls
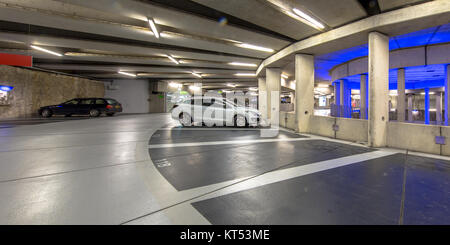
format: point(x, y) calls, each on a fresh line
point(240, 121)
point(185, 119)
point(110, 114)
point(94, 113)
point(46, 113)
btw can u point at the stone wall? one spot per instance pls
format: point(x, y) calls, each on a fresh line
point(33, 89)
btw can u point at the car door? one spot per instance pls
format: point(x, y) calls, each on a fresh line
point(68, 107)
point(85, 106)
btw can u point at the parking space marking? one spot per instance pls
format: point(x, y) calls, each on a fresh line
point(225, 142)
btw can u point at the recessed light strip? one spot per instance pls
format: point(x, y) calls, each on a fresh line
point(45, 50)
point(309, 19)
point(127, 74)
point(245, 74)
point(173, 59)
point(254, 47)
point(152, 24)
point(242, 64)
point(196, 74)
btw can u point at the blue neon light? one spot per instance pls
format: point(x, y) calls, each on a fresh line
point(6, 88)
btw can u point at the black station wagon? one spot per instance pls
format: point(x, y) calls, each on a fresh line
point(93, 107)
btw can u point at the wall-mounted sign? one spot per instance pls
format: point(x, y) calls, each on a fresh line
point(16, 60)
point(5, 95)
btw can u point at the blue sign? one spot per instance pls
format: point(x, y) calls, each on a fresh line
point(6, 88)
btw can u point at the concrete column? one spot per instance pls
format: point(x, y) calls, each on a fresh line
point(304, 92)
point(273, 85)
point(345, 96)
point(401, 95)
point(427, 106)
point(410, 108)
point(262, 97)
point(378, 89)
point(337, 98)
point(447, 94)
point(363, 96)
point(438, 108)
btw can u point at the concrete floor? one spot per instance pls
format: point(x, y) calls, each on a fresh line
point(145, 169)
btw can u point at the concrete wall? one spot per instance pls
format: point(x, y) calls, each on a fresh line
point(287, 120)
point(132, 94)
point(349, 129)
point(416, 137)
point(33, 89)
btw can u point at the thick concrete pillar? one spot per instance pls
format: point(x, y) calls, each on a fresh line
point(304, 92)
point(447, 94)
point(363, 97)
point(273, 85)
point(262, 97)
point(438, 108)
point(427, 106)
point(343, 97)
point(410, 108)
point(401, 95)
point(378, 89)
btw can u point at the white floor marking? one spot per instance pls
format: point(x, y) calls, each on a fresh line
point(285, 174)
point(225, 142)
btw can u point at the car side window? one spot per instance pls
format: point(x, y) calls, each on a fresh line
point(86, 102)
point(100, 102)
point(208, 102)
point(71, 102)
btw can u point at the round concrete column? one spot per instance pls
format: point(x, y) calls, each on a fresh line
point(401, 99)
point(363, 96)
point(273, 84)
point(378, 89)
point(304, 91)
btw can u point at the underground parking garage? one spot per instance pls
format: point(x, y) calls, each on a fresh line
point(196, 112)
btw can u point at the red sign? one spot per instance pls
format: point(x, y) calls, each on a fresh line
point(16, 60)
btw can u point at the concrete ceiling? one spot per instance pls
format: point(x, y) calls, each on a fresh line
point(98, 38)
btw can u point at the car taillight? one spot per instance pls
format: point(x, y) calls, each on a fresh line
point(109, 107)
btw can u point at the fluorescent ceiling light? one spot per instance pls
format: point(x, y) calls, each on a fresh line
point(250, 46)
point(245, 74)
point(173, 59)
point(242, 64)
point(231, 85)
point(45, 50)
point(152, 24)
point(323, 85)
point(127, 74)
point(312, 22)
point(196, 74)
point(193, 87)
point(253, 89)
point(284, 76)
point(175, 85)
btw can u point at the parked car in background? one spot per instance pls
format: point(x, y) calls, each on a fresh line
point(229, 113)
point(93, 107)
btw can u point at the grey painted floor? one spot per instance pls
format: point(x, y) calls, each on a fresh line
point(145, 169)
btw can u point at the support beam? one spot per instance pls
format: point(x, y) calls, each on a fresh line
point(410, 107)
point(378, 89)
point(304, 92)
point(427, 105)
point(439, 108)
point(447, 94)
point(401, 95)
point(363, 96)
point(273, 84)
point(262, 97)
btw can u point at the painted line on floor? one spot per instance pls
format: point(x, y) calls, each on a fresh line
point(286, 174)
point(225, 142)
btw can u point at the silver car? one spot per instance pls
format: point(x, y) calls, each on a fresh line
point(214, 111)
